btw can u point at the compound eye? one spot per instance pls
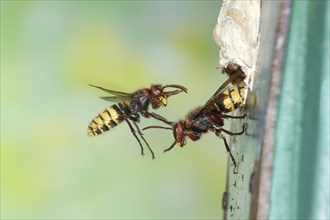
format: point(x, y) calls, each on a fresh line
point(178, 131)
point(175, 131)
point(156, 90)
point(155, 103)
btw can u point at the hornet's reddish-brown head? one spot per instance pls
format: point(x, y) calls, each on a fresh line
point(179, 133)
point(159, 96)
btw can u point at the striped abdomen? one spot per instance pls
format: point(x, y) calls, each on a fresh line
point(230, 99)
point(108, 119)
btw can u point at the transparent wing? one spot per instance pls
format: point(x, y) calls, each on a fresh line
point(209, 104)
point(113, 92)
point(118, 96)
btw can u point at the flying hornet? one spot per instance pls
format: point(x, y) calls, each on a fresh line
point(210, 117)
point(129, 107)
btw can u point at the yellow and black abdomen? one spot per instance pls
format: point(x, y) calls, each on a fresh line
point(108, 119)
point(230, 99)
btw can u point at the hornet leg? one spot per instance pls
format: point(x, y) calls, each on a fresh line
point(232, 157)
point(145, 141)
point(133, 132)
point(158, 117)
point(235, 117)
point(233, 133)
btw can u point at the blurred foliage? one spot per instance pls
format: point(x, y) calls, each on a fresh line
point(50, 51)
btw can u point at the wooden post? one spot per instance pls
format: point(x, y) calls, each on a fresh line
point(283, 158)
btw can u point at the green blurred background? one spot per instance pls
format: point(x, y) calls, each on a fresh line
point(50, 51)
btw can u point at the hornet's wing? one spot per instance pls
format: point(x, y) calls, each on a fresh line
point(210, 103)
point(117, 96)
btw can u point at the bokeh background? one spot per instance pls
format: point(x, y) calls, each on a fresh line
point(50, 52)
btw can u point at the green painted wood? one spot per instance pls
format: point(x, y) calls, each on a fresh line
point(300, 184)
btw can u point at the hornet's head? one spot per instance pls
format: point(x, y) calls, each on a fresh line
point(159, 96)
point(179, 133)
